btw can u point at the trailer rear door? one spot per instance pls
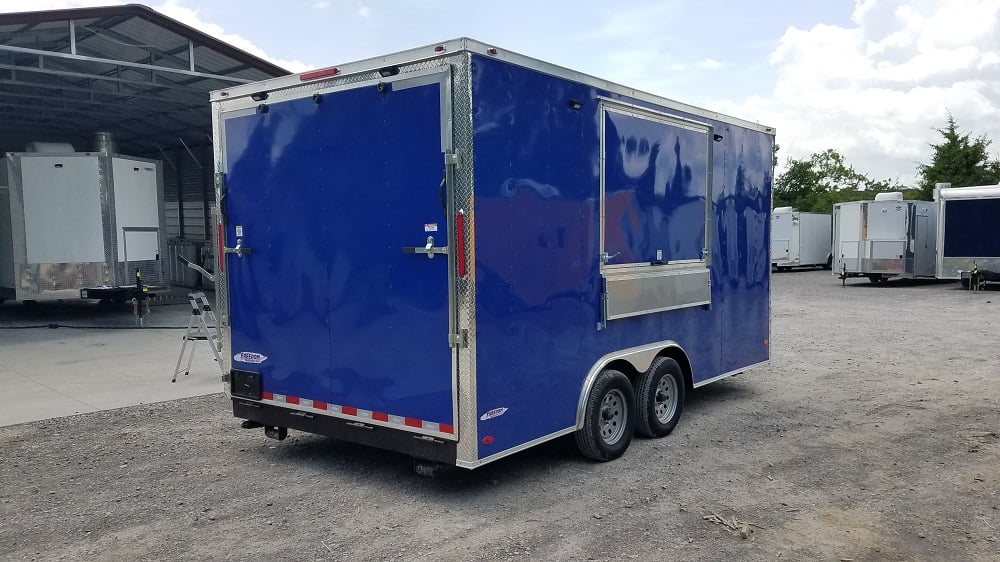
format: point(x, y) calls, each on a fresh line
point(781, 238)
point(848, 233)
point(338, 305)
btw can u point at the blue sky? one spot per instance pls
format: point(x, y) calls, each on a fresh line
point(686, 50)
point(870, 78)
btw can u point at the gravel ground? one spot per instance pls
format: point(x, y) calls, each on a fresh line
point(874, 434)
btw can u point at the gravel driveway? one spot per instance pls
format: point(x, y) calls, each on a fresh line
point(874, 434)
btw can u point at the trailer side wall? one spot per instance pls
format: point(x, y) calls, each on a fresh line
point(814, 238)
point(538, 280)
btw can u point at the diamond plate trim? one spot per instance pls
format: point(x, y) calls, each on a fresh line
point(221, 277)
point(465, 288)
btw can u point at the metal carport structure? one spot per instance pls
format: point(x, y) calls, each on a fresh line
point(131, 71)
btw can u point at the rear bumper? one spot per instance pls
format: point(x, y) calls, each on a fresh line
point(400, 441)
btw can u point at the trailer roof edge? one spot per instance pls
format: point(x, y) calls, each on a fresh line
point(465, 44)
point(972, 192)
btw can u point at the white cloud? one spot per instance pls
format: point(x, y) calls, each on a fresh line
point(711, 64)
point(364, 11)
point(877, 89)
point(171, 8)
point(176, 10)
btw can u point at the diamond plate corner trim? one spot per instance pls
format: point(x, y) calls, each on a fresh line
point(465, 294)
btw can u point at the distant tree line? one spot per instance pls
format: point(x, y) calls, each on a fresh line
point(816, 183)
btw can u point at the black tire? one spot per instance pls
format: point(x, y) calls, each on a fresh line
point(875, 278)
point(611, 398)
point(659, 397)
point(829, 263)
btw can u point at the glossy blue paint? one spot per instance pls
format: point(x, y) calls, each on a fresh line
point(538, 284)
point(655, 179)
point(327, 196)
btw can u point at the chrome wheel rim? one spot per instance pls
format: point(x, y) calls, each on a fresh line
point(613, 416)
point(665, 401)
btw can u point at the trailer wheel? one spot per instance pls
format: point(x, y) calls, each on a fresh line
point(608, 420)
point(659, 396)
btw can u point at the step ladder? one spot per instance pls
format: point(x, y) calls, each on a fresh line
point(201, 327)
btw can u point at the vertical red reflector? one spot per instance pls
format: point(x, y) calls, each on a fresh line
point(460, 242)
point(222, 253)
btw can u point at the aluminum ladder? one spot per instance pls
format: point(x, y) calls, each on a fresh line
point(201, 327)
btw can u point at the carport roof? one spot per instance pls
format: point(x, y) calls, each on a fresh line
point(66, 74)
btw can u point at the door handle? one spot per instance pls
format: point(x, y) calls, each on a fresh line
point(428, 249)
point(239, 250)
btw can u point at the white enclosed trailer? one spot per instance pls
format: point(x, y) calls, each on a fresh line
point(79, 225)
point(885, 238)
point(968, 236)
point(800, 239)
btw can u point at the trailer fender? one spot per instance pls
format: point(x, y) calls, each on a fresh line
point(640, 358)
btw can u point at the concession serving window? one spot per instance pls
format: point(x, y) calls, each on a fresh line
point(656, 178)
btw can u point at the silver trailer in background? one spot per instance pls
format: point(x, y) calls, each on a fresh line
point(800, 239)
point(885, 238)
point(78, 224)
point(968, 236)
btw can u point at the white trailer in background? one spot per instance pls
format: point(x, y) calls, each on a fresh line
point(885, 238)
point(968, 236)
point(800, 239)
point(79, 225)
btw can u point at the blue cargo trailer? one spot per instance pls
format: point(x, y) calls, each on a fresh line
point(457, 252)
point(968, 235)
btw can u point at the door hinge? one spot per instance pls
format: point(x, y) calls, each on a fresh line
point(461, 339)
point(453, 159)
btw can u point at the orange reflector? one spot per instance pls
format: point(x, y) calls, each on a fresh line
point(487, 440)
point(767, 342)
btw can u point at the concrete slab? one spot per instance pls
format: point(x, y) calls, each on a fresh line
point(23, 400)
point(101, 362)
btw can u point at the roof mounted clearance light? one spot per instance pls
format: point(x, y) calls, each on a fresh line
point(439, 49)
point(492, 51)
point(388, 71)
point(316, 74)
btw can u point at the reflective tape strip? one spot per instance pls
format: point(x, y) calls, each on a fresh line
point(366, 415)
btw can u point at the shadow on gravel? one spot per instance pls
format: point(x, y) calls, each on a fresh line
point(557, 459)
point(737, 387)
point(899, 283)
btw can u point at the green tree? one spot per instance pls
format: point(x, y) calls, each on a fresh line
point(824, 179)
point(959, 160)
